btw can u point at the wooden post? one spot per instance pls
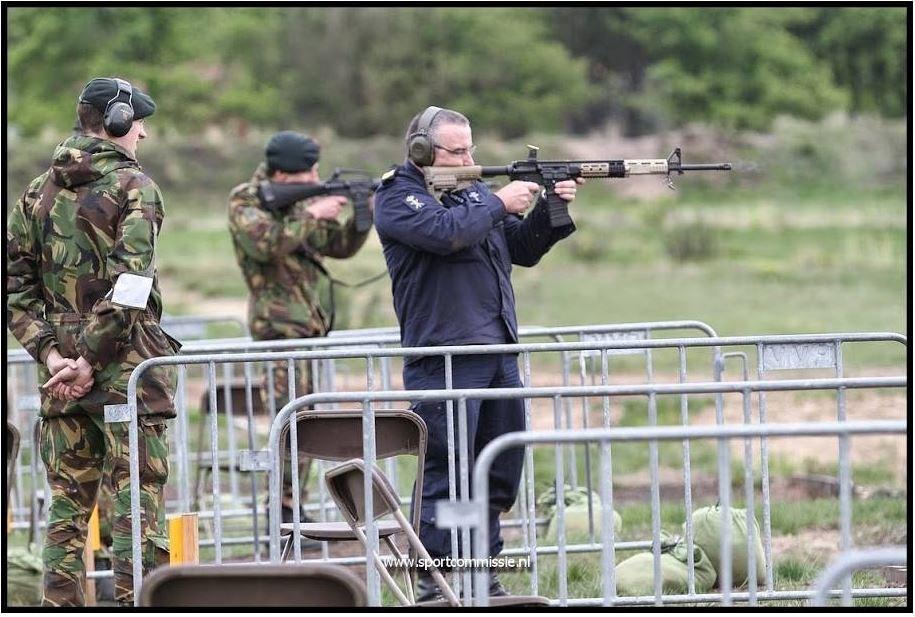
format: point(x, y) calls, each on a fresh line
point(183, 544)
point(93, 543)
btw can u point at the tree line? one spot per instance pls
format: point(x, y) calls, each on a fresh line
point(366, 70)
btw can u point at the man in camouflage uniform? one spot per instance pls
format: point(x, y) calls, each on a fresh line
point(84, 301)
point(280, 254)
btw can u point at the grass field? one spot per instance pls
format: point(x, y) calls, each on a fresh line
point(771, 257)
point(747, 264)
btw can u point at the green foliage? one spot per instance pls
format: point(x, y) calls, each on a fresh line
point(692, 241)
point(512, 70)
point(737, 68)
point(866, 49)
point(359, 70)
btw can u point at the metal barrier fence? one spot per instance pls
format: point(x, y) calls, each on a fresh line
point(477, 518)
point(193, 327)
point(28, 498)
point(765, 345)
point(855, 560)
point(612, 331)
point(22, 411)
point(21, 372)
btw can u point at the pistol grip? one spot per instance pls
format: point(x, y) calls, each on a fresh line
point(558, 209)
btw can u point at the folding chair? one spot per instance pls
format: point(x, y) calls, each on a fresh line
point(346, 486)
point(239, 406)
point(337, 436)
point(11, 446)
point(250, 586)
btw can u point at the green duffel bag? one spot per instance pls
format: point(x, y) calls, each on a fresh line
point(576, 514)
point(23, 577)
point(707, 535)
point(635, 576)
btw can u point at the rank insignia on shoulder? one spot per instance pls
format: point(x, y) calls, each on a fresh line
point(413, 202)
point(474, 196)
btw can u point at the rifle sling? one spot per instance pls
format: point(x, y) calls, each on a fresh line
point(335, 281)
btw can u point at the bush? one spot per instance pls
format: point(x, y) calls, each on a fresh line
point(695, 241)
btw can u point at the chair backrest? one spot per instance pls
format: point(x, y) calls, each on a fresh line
point(266, 585)
point(239, 398)
point(336, 435)
point(346, 485)
point(11, 446)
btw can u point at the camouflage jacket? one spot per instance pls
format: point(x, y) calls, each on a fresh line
point(91, 217)
point(277, 254)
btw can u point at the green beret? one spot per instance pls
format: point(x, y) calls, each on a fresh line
point(291, 152)
point(101, 90)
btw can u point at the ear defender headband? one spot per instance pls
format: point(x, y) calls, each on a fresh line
point(420, 148)
point(118, 113)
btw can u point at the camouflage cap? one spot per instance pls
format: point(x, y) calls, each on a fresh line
point(101, 90)
point(291, 152)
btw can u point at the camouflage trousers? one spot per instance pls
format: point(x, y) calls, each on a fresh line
point(78, 452)
point(281, 398)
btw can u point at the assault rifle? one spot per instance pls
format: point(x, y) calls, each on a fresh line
point(548, 173)
point(277, 197)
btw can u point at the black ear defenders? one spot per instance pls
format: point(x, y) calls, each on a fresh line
point(118, 112)
point(420, 148)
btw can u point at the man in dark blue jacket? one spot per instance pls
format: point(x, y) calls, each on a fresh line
point(450, 262)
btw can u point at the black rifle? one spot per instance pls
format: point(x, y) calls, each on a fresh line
point(548, 173)
point(277, 197)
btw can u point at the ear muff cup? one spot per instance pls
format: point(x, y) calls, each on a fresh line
point(118, 113)
point(420, 148)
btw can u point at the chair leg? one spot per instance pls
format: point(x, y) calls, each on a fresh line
point(287, 548)
point(408, 581)
point(199, 471)
point(422, 553)
point(379, 565)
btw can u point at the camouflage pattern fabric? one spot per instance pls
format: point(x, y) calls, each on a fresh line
point(273, 251)
point(91, 217)
point(75, 448)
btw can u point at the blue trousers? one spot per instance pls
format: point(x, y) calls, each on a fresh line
point(486, 420)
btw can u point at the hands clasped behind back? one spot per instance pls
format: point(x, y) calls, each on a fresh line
point(71, 379)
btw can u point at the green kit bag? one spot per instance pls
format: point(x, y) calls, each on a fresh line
point(635, 576)
point(23, 577)
point(576, 514)
point(707, 535)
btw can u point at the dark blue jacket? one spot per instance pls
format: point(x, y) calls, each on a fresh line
point(450, 261)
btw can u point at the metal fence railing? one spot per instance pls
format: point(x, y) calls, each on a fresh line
point(190, 456)
point(854, 560)
point(588, 359)
point(478, 518)
point(23, 400)
point(605, 349)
